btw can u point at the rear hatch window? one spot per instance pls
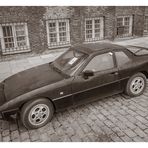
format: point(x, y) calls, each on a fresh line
point(138, 50)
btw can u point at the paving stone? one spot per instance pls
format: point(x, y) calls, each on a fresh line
point(126, 139)
point(44, 137)
point(142, 119)
point(0, 138)
point(24, 136)
point(101, 117)
point(34, 135)
point(141, 113)
point(26, 140)
point(16, 139)
point(117, 131)
point(13, 127)
point(141, 125)
point(93, 137)
point(138, 139)
point(115, 138)
point(130, 125)
point(145, 139)
point(6, 139)
point(130, 133)
point(14, 135)
point(85, 128)
point(5, 132)
point(75, 138)
point(109, 124)
point(112, 118)
point(140, 133)
point(146, 131)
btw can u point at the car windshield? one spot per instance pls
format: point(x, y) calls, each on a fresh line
point(69, 61)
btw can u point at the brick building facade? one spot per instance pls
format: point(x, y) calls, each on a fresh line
point(36, 29)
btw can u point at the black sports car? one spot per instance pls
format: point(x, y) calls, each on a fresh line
point(82, 74)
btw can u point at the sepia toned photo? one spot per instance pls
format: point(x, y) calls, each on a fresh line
point(73, 73)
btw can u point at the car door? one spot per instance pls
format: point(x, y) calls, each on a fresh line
point(103, 83)
point(126, 67)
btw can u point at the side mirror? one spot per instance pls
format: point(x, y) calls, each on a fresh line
point(88, 73)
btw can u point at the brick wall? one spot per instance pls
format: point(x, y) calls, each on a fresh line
point(36, 18)
point(138, 17)
point(97, 11)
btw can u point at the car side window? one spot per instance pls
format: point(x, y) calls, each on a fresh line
point(101, 62)
point(121, 58)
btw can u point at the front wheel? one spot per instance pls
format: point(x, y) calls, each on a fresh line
point(136, 85)
point(37, 113)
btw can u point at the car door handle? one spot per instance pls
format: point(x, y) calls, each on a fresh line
point(114, 73)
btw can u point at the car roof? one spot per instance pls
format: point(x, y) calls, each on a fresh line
point(92, 48)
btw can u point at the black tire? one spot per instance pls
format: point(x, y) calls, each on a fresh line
point(130, 84)
point(38, 105)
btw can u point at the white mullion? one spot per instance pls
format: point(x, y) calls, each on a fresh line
point(2, 39)
point(26, 35)
point(85, 29)
point(101, 28)
point(93, 28)
point(130, 24)
point(14, 36)
point(67, 31)
point(123, 23)
point(47, 28)
point(57, 31)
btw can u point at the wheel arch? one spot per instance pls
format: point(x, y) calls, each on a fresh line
point(35, 98)
point(145, 73)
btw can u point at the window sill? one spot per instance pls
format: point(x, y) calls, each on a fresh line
point(15, 52)
point(58, 46)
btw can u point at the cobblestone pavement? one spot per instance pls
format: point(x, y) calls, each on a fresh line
point(117, 118)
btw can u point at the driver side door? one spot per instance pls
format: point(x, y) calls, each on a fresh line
point(103, 83)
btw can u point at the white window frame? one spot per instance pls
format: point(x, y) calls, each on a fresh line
point(58, 43)
point(93, 29)
point(16, 49)
point(130, 24)
point(145, 24)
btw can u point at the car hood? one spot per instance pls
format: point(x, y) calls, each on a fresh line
point(29, 80)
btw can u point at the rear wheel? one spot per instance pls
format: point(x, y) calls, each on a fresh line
point(136, 85)
point(37, 113)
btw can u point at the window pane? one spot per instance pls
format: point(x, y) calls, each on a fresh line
point(8, 36)
point(21, 44)
point(53, 37)
point(88, 29)
point(21, 38)
point(97, 24)
point(20, 35)
point(122, 58)
point(7, 31)
point(126, 21)
point(62, 36)
point(20, 30)
point(146, 24)
point(100, 62)
point(62, 26)
point(52, 27)
point(88, 24)
point(19, 27)
point(119, 21)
